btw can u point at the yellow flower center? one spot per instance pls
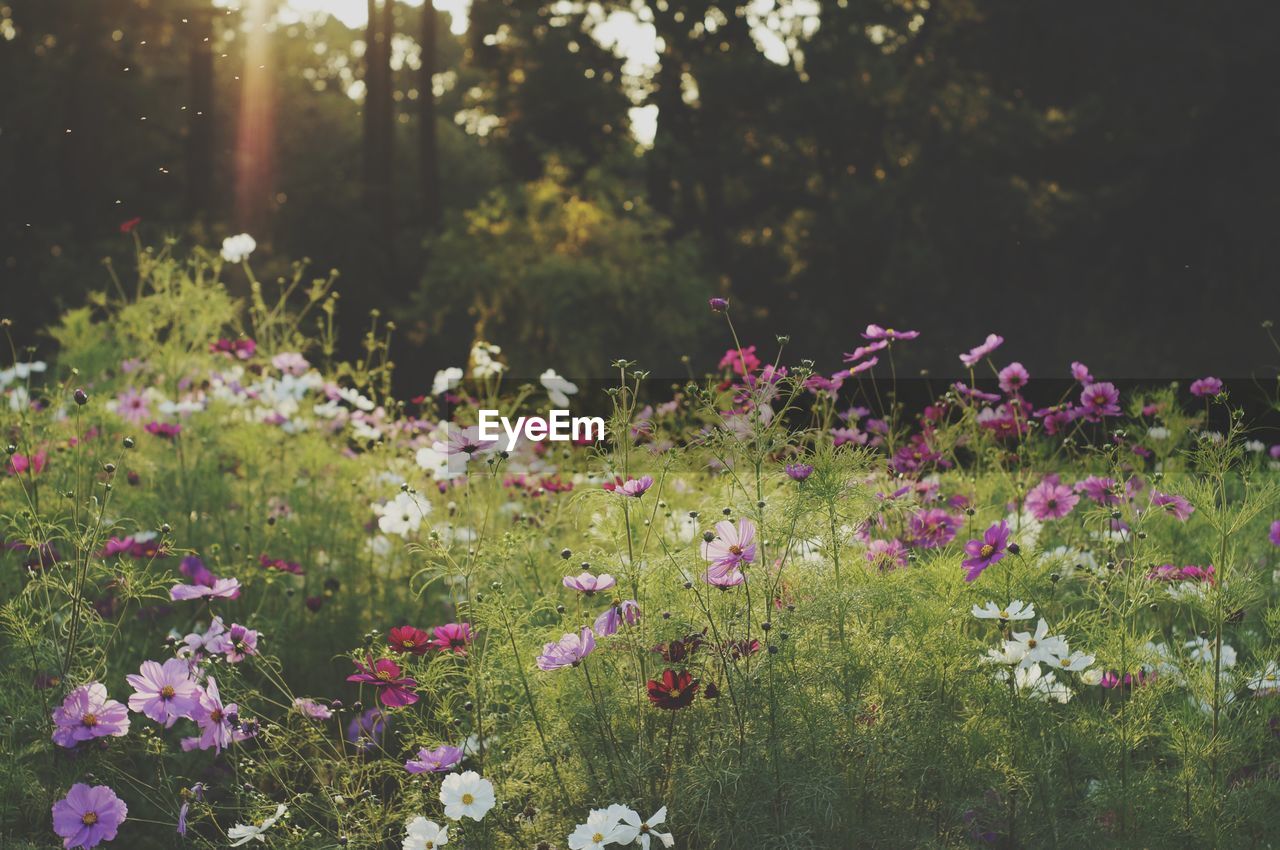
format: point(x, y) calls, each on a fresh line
point(89, 720)
point(89, 818)
point(167, 692)
point(986, 550)
point(467, 799)
point(1031, 644)
point(216, 715)
point(384, 675)
point(597, 838)
point(674, 693)
point(1004, 615)
point(407, 643)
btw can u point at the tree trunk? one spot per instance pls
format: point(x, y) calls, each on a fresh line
point(428, 150)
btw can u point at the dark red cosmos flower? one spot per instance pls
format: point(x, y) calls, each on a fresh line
point(280, 564)
point(673, 690)
point(673, 652)
point(408, 639)
point(742, 648)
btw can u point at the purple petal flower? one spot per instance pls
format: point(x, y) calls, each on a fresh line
point(1013, 378)
point(1176, 505)
point(987, 551)
point(1051, 500)
point(586, 583)
point(718, 305)
point(888, 334)
point(88, 713)
point(569, 651)
point(87, 816)
point(163, 692)
point(440, 760)
point(614, 616)
point(799, 471)
point(1206, 387)
point(1100, 399)
point(732, 548)
point(990, 344)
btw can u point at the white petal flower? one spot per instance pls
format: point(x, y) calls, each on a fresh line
point(603, 827)
point(1015, 610)
point(466, 795)
point(243, 834)
point(645, 828)
point(403, 514)
point(445, 380)
point(423, 834)
point(558, 389)
point(236, 249)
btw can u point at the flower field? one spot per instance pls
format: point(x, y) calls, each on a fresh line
point(252, 598)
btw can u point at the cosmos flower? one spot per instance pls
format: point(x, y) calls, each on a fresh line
point(241, 834)
point(799, 471)
point(20, 464)
point(311, 709)
point(1206, 387)
point(886, 554)
point(1015, 610)
point(718, 305)
point(466, 795)
point(88, 713)
point(423, 834)
point(636, 487)
point(1100, 490)
point(975, 355)
point(446, 380)
point(875, 332)
point(987, 551)
point(932, 528)
point(241, 643)
point(1100, 399)
point(392, 685)
point(452, 637)
point(402, 515)
point(440, 760)
point(215, 719)
point(588, 584)
point(1051, 500)
point(1275, 533)
point(672, 690)
point(1013, 378)
point(609, 621)
point(163, 692)
point(558, 389)
point(236, 249)
point(1176, 505)
point(1033, 647)
point(603, 827)
point(732, 548)
point(131, 406)
point(408, 639)
point(1080, 372)
point(644, 827)
point(291, 363)
point(87, 816)
point(569, 651)
point(865, 350)
point(366, 729)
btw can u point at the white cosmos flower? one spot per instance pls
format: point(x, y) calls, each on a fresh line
point(1015, 610)
point(1008, 653)
point(1073, 663)
point(1254, 446)
point(1202, 650)
point(403, 514)
point(1158, 432)
point(236, 249)
point(445, 380)
point(558, 389)
point(645, 828)
point(423, 834)
point(1038, 645)
point(466, 795)
point(353, 398)
point(603, 827)
point(1041, 685)
point(1267, 681)
point(243, 834)
point(482, 362)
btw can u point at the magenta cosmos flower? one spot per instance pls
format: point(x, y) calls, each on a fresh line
point(1206, 387)
point(1013, 378)
point(440, 760)
point(585, 582)
point(163, 692)
point(1080, 372)
point(887, 555)
point(985, 552)
point(975, 355)
point(569, 651)
point(1100, 399)
point(214, 718)
point(1051, 500)
point(466, 441)
point(205, 585)
point(392, 685)
point(732, 548)
point(932, 528)
point(1176, 505)
point(875, 332)
point(636, 486)
point(88, 713)
point(1100, 490)
point(88, 816)
point(799, 471)
point(1275, 533)
point(452, 637)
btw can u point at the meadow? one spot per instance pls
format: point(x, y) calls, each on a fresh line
point(251, 598)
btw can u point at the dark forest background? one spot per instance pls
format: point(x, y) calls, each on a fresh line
point(1095, 181)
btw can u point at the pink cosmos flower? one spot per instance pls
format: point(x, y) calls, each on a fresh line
point(312, 709)
point(452, 637)
point(466, 441)
point(887, 555)
point(724, 579)
point(636, 487)
point(240, 349)
point(1100, 490)
point(932, 528)
point(738, 359)
point(392, 685)
point(614, 616)
point(864, 350)
point(291, 363)
point(799, 471)
point(1176, 505)
point(163, 692)
point(974, 393)
point(131, 406)
point(987, 551)
point(88, 713)
point(1206, 387)
point(440, 760)
point(569, 651)
point(214, 718)
point(164, 430)
point(1100, 399)
point(1051, 500)
point(876, 332)
point(1013, 377)
point(21, 464)
point(975, 355)
point(241, 643)
point(1080, 372)
point(732, 548)
point(87, 816)
point(586, 583)
point(859, 368)
point(204, 583)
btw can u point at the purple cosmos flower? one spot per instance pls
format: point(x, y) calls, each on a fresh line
point(636, 486)
point(1080, 372)
point(990, 344)
point(204, 583)
point(365, 730)
point(724, 579)
point(799, 471)
point(1051, 500)
point(1176, 505)
point(1100, 490)
point(392, 685)
point(88, 713)
point(864, 350)
point(1206, 387)
point(163, 692)
point(718, 305)
point(732, 548)
point(214, 718)
point(973, 392)
point(1275, 533)
point(875, 332)
point(312, 709)
point(585, 582)
point(860, 368)
point(87, 816)
point(290, 363)
point(213, 641)
point(241, 643)
point(569, 651)
point(440, 760)
point(131, 405)
point(1013, 377)
point(1100, 399)
point(164, 430)
point(614, 616)
point(985, 552)
point(887, 555)
point(932, 528)
point(466, 441)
